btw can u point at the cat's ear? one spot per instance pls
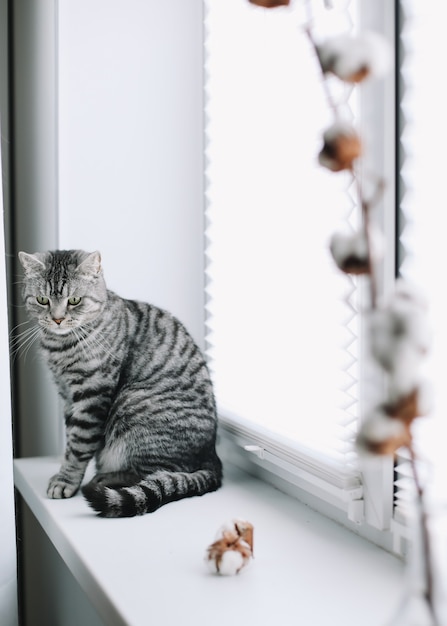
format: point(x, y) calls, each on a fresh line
point(32, 263)
point(91, 265)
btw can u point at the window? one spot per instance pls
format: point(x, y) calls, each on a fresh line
point(265, 103)
point(273, 296)
point(284, 333)
point(100, 67)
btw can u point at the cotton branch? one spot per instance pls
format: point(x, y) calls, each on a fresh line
point(398, 330)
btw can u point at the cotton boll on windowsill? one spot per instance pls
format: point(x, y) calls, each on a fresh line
point(232, 550)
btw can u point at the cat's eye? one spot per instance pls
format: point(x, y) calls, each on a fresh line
point(74, 301)
point(42, 300)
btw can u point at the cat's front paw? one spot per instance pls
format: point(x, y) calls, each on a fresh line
point(58, 488)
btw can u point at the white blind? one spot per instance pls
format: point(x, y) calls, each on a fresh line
point(424, 126)
point(282, 321)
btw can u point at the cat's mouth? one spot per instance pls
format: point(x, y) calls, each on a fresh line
point(58, 329)
point(61, 330)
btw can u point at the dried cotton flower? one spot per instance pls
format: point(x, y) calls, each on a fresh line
point(341, 146)
point(400, 338)
point(351, 251)
point(352, 59)
point(382, 434)
point(387, 428)
point(414, 404)
point(232, 549)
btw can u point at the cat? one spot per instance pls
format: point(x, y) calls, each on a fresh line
point(136, 388)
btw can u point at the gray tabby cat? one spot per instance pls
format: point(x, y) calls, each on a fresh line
point(136, 388)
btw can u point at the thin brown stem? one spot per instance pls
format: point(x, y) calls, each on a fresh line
point(371, 266)
point(327, 91)
point(366, 206)
point(425, 536)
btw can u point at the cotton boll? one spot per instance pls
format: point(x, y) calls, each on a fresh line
point(379, 426)
point(232, 549)
point(407, 376)
point(400, 335)
point(341, 146)
point(228, 555)
point(351, 251)
point(354, 59)
point(418, 402)
point(405, 373)
point(418, 330)
point(330, 50)
point(395, 349)
point(383, 337)
point(228, 563)
point(381, 434)
point(387, 428)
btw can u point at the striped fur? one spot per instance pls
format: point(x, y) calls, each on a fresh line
point(136, 389)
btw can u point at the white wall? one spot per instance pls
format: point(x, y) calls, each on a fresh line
point(130, 146)
point(108, 129)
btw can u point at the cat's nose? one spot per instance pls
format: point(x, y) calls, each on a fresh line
point(58, 320)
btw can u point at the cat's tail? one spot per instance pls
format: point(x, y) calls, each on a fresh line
point(150, 493)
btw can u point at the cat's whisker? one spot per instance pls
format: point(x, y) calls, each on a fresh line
point(82, 340)
point(32, 341)
point(88, 345)
point(12, 332)
point(18, 339)
point(22, 343)
point(102, 345)
point(98, 342)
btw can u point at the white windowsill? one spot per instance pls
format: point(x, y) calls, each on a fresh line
point(306, 570)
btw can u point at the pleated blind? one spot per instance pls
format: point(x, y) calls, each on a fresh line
point(422, 234)
point(282, 322)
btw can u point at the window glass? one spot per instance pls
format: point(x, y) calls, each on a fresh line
point(282, 321)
